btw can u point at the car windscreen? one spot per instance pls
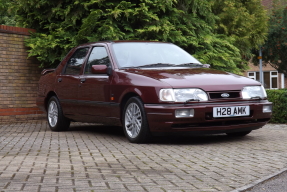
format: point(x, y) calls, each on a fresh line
point(140, 54)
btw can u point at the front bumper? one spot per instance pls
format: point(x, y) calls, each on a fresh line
point(161, 118)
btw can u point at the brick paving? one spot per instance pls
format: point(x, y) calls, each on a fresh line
point(96, 158)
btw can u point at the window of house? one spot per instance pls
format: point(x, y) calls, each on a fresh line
point(274, 80)
point(252, 75)
point(270, 78)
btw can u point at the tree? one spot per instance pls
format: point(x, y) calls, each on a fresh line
point(244, 21)
point(216, 49)
point(275, 48)
point(190, 24)
point(7, 17)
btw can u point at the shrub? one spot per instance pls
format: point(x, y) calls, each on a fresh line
point(221, 33)
point(279, 99)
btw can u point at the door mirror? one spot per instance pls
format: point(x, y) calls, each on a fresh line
point(206, 65)
point(99, 69)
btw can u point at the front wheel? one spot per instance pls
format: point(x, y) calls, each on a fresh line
point(135, 122)
point(56, 120)
point(238, 134)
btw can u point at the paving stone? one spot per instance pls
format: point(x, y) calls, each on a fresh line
point(90, 157)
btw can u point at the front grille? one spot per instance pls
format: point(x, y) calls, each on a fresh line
point(218, 95)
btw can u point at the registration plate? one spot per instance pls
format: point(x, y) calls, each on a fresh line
point(231, 111)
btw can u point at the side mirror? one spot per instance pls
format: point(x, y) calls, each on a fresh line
point(206, 65)
point(99, 69)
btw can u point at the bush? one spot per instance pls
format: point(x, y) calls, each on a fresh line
point(221, 33)
point(279, 99)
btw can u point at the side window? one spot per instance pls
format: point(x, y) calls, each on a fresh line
point(76, 61)
point(98, 56)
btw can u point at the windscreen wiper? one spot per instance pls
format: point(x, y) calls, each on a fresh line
point(190, 64)
point(157, 65)
point(129, 67)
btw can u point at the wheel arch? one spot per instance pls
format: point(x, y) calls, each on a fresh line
point(49, 95)
point(134, 131)
point(124, 100)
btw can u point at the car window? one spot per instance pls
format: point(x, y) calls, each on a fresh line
point(76, 61)
point(98, 56)
point(138, 54)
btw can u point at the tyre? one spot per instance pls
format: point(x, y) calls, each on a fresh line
point(238, 134)
point(135, 123)
point(56, 120)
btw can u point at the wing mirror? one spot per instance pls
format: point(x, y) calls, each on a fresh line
point(101, 69)
point(206, 65)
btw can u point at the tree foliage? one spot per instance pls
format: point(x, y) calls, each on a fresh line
point(245, 21)
point(198, 26)
point(279, 100)
point(275, 48)
point(6, 16)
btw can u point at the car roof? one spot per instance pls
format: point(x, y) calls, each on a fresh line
point(122, 41)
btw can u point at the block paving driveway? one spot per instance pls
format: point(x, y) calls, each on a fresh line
point(97, 158)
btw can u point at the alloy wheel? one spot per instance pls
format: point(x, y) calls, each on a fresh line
point(133, 120)
point(53, 113)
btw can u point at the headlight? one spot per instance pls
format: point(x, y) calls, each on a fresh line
point(166, 95)
point(182, 95)
point(254, 92)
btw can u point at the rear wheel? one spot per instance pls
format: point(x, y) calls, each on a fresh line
point(238, 134)
point(135, 122)
point(56, 120)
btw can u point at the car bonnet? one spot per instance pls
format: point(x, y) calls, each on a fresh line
point(203, 78)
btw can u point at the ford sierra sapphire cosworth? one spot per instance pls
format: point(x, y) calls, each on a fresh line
point(150, 89)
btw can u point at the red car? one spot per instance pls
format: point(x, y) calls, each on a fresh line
point(149, 88)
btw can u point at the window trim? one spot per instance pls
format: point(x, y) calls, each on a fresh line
point(274, 76)
point(253, 76)
point(68, 59)
point(89, 53)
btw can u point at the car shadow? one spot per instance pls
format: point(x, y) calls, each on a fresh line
point(199, 139)
point(117, 132)
point(98, 129)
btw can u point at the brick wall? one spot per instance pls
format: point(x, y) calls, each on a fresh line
point(18, 77)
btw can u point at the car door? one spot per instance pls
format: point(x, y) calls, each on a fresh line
point(68, 82)
point(94, 89)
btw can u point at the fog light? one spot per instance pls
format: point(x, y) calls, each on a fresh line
point(184, 113)
point(267, 108)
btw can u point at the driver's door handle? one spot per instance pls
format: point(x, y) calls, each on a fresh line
point(83, 80)
point(59, 80)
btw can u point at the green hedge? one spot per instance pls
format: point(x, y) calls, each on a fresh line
point(279, 99)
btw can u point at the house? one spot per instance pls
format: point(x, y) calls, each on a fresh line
point(272, 79)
